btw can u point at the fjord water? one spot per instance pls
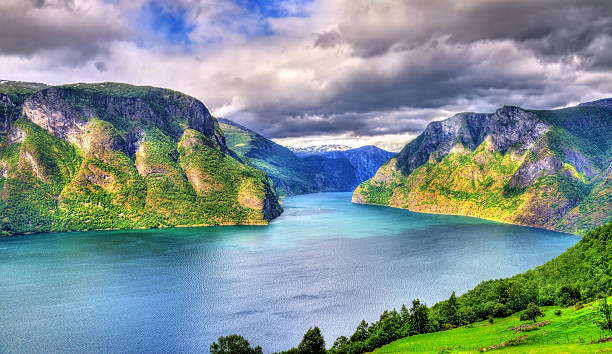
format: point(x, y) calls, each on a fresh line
point(324, 262)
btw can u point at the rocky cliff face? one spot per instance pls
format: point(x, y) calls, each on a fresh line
point(12, 96)
point(539, 168)
point(95, 156)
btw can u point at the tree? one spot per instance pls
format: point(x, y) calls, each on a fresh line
point(312, 343)
point(568, 295)
point(517, 296)
point(604, 309)
point(450, 311)
point(531, 313)
point(466, 314)
point(405, 320)
point(341, 345)
point(233, 344)
point(361, 333)
point(419, 317)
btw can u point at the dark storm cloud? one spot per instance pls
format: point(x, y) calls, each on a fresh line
point(552, 28)
point(444, 54)
point(434, 76)
point(31, 26)
point(328, 39)
point(101, 66)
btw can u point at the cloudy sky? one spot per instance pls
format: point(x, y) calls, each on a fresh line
point(308, 72)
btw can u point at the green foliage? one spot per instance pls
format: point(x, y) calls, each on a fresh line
point(560, 182)
point(233, 344)
point(606, 313)
point(568, 295)
point(531, 313)
point(570, 333)
point(419, 318)
point(291, 175)
point(312, 343)
point(584, 266)
point(587, 129)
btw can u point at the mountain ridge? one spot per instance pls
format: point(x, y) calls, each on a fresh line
point(548, 169)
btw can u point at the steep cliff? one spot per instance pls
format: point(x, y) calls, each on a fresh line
point(548, 169)
point(97, 156)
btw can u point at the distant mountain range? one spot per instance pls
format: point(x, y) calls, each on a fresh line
point(312, 169)
point(317, 149)
point(545, 168)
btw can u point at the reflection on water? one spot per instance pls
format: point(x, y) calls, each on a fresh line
point(324, 262)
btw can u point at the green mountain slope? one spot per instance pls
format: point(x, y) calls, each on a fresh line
point(97, 156)
point(586, 267)
point(549, 169)
point(292, 174)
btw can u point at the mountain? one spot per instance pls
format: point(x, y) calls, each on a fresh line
point(290, 174)
point(365, 160)
point(318, 149)
point(110, 155)
point(550, 168)
point(314, 169)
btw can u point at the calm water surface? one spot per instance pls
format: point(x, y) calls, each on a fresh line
point(324, 262)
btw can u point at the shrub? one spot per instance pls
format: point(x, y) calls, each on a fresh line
point(531, 313)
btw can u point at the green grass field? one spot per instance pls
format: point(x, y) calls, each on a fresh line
point(571, 332)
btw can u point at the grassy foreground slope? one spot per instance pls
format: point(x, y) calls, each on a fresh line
point(580, 274)
point(110, 155)
point(570, 332)
point(549, 169)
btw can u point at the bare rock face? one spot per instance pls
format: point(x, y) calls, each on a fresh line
point(67, 113)
point(580, 162)
point(542, 162)
point(440, 137)
point(529, 172)
point(508, 127)
point(6, 112)
point(49, 110)
point(513, 126)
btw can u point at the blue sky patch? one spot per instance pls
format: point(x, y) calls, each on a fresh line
point(168, 21)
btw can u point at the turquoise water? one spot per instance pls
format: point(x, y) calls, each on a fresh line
point(324, 262)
